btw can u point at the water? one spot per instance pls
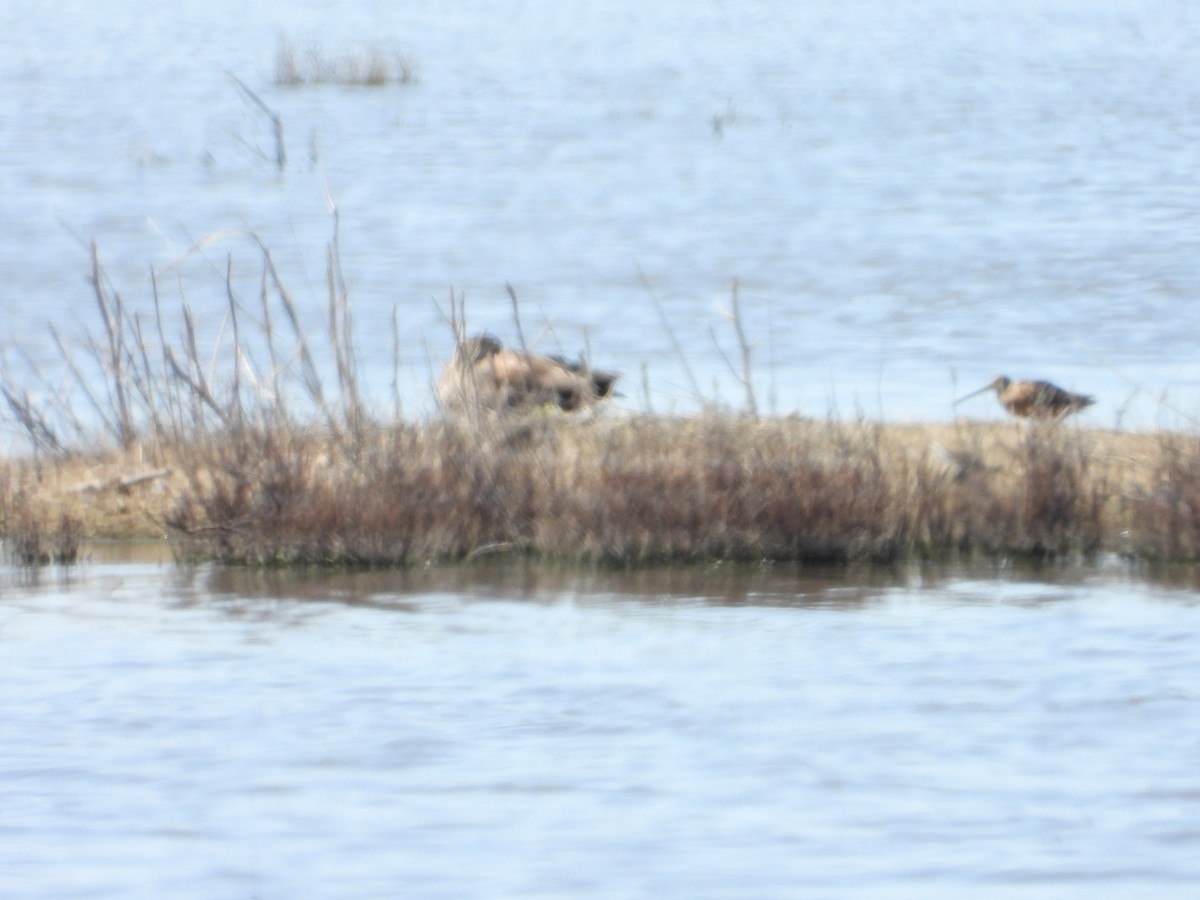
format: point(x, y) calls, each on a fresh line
point(914, 196)
point(530, 732)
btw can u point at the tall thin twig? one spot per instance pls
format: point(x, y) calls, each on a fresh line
point(516, 310)
point(341, 332)
point(670, 331)
point(396, 363)
point(276, 121)
point(746, 378)
point(114, 332)
point(235, 399)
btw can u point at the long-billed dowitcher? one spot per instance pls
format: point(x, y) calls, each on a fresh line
point(1033, 399)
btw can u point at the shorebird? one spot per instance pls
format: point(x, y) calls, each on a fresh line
point(1033, 399)
point(485, 373)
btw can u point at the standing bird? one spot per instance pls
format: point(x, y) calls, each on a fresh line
point(486, 374)
point(1033, 399)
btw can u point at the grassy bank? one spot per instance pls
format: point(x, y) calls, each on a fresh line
point(241, 453)
point(625, 490)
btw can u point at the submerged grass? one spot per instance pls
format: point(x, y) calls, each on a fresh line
point(370, 65)
point(232, 472)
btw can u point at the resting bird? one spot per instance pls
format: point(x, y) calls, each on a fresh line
point(484, 373)
point(1033, 399)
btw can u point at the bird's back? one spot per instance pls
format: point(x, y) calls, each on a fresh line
point(503, 377)
point(1042, 400)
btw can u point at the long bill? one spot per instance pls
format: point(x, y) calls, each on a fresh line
point(982, 390)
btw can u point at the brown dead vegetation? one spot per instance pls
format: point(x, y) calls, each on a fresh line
point(631, 491)
point(270, 465)
point(370, 65)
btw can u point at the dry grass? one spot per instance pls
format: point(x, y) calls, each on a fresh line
point(644, 490)
point(268, 465)
point(636, 491)
point(50, 503)
point(625, 491)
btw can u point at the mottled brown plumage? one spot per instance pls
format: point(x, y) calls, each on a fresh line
point(486, 374)
point(1034, 399)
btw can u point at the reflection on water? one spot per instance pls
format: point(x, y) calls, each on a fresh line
point(720, 584)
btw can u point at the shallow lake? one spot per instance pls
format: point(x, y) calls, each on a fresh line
point(523, 731)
